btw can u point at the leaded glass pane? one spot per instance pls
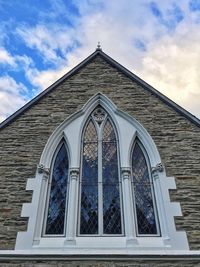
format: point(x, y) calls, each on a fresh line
point(144, 210)
point(58, 191)
point(110, 163)
point(89, 210)
point(108, 133)
point(111, 209)
point(90, 133)
point(110, 179)
point(89, 182)
point(142, 186)
point(140, 168)
point(90, 163)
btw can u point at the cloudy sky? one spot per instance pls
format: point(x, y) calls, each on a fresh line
point(40, 40)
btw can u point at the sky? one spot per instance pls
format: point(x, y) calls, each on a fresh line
point(41, 40)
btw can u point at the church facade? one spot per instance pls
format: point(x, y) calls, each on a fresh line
point(100, 169)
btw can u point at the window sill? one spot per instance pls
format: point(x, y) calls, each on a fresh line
point(106, 244)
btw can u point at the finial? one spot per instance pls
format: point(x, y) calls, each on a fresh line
point(98, 46)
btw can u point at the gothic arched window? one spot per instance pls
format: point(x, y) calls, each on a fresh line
point(100, 187)
point(57, 197)
point(144, 202)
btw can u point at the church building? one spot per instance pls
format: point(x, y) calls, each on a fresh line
point(100, 169)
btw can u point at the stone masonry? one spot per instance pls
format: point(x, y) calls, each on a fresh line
point(93, 263)
point(23, 140)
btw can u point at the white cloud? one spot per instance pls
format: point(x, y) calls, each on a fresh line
point(169, 61)
point(172, 65)
point(92, 27)
point(43, 79)
point(6, 57)
point(48, 41)
point(10, 96)
point(15, 62)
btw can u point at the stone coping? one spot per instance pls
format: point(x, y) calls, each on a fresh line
point(83, 255)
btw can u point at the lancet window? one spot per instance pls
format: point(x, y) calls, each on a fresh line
point(100, 185)
point(57, 197)
point(144, 201)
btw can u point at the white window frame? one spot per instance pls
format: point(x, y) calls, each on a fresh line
point(127, 128)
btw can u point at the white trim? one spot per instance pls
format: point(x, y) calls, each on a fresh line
point(128, 251)
point(129, 221)
point(72, 206)
point(127, 129)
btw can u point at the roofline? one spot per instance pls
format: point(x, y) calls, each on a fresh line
point(152, 90)
point(121, 68)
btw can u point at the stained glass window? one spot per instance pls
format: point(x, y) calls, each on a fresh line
point(100, 211)
point(100, 208)
point(89, 182)
point(111, 187)
point(57, 197)
point(143, 194)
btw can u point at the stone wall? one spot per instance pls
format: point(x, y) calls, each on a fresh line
point(22, 142)
point(134, 263)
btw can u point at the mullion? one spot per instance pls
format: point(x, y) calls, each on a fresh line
point(100, 188)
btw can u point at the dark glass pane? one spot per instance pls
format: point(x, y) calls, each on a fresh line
point(144, 209)
point(89, 210)
point(57, 198)
point(110, 163)
point(140, 168)
point(111, 209)
point(89, 182)
point(109, 155)
point(108, 133)
point(90, 163)
point(143, 194)
point(110, 176)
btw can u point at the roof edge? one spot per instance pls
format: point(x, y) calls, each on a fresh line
point(152, 90)
point(121, 68)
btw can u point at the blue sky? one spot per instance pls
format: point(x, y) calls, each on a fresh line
point(41, 40)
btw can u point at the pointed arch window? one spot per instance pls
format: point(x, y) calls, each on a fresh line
point(144, 201)
point(100, 186)
point(78, 188)
point(57, 197)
